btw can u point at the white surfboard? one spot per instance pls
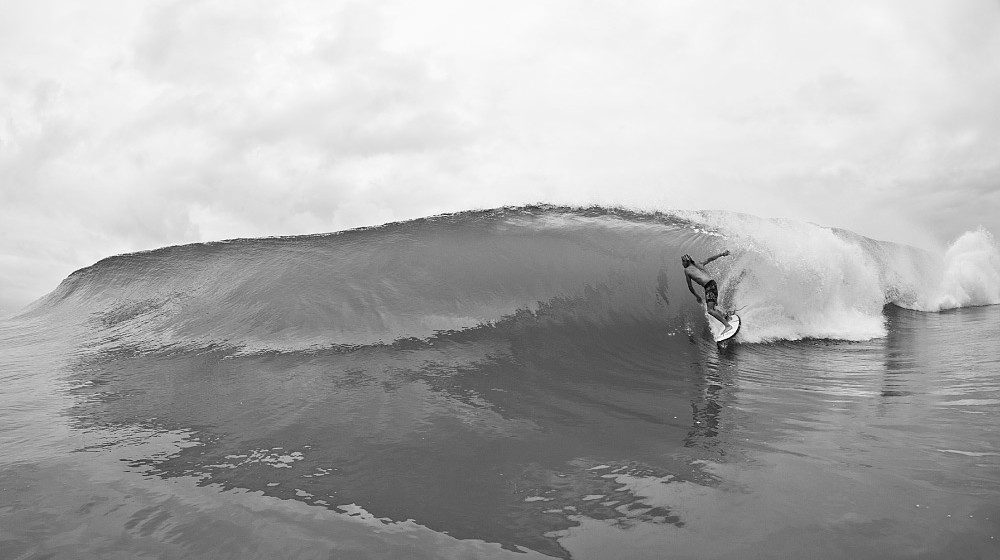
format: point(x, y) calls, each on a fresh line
point(717, 327)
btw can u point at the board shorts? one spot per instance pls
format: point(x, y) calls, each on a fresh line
point(711, 292)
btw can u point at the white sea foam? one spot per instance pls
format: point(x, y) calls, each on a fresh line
point(797, 280)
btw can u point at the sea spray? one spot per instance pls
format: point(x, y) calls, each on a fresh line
point(970, 273)
point(795, 280)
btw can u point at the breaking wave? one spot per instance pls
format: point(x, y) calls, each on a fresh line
point(602, 269)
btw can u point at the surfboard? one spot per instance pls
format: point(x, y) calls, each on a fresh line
point(717, 328)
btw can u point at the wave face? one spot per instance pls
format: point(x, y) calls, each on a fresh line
point(598, 267)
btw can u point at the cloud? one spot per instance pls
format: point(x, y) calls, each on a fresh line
point(297, 126)
point(131, 125)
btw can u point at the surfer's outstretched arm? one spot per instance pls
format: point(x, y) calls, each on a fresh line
point(710, 259)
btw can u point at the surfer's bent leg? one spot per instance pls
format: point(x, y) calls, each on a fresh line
point(718, 315)
point(711, 297)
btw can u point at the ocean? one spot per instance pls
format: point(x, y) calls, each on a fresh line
point(530, 382)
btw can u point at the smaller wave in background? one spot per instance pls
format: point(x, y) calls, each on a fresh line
point(970, 274)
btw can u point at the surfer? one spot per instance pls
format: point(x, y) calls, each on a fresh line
point(697, 272)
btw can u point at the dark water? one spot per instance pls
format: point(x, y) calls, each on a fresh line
point(518, 383)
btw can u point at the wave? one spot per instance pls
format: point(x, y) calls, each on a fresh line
point(604, 268)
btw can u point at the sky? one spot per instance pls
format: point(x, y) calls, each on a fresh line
point(128, 125)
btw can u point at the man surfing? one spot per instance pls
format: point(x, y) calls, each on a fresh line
point(697, 272)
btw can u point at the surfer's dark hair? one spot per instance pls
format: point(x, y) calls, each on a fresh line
point(686, 260)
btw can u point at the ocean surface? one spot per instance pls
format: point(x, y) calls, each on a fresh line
point(521, 383)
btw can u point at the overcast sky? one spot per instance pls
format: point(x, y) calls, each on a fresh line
point(128, 125)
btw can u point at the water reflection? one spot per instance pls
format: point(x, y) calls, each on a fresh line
point(517, 435)
point(716, 385)
point(507, 436)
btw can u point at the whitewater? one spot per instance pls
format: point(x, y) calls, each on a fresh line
point(520, 382)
